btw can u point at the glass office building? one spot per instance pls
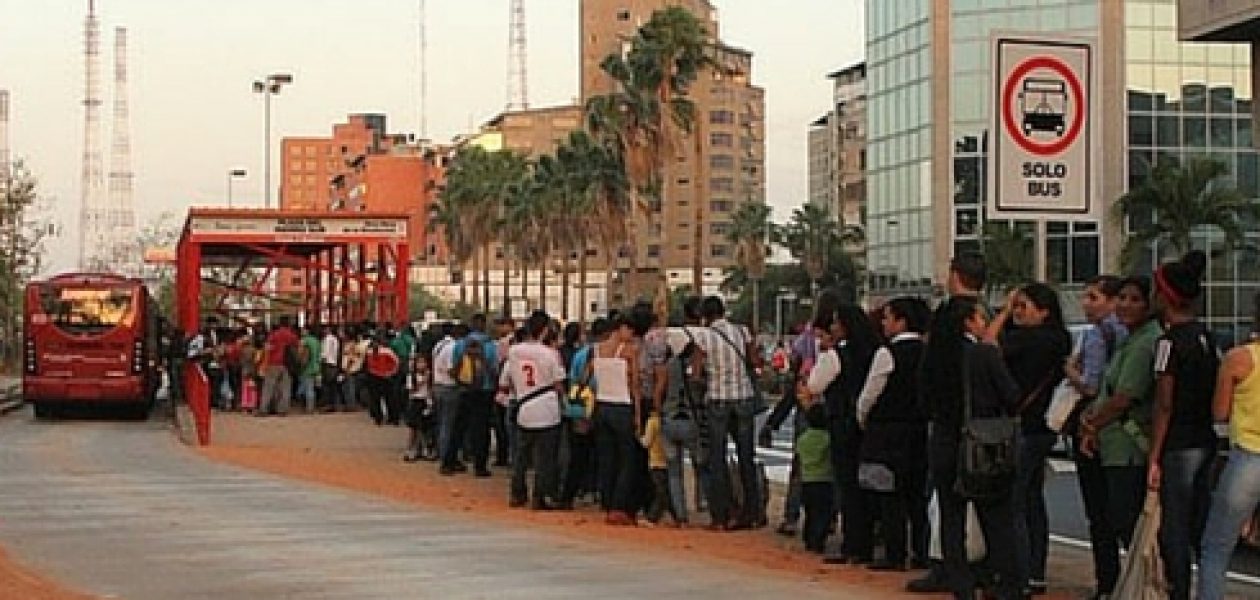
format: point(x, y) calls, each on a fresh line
point(929, 70)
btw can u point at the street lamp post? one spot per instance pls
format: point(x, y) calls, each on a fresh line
point(778, 313)
point(268, 87)
point(233, 174)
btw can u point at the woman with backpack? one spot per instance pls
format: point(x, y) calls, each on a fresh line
point(969, 384)
point(1183, 442)
point(1034, 343)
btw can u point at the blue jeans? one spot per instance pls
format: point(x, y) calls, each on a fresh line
point(1032, 529)
point(733, 418)
point(306, 389)
point(1184, 496)
point(1236, 496)
point(674, 474)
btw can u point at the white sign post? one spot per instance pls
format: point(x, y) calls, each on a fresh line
point(1040, 166)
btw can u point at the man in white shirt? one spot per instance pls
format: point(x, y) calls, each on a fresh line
point(535, 378)
point(446, 397)
point(724, 352)
point(329, 368)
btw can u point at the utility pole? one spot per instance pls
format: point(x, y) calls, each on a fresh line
point(92, 181)
point(123, 253)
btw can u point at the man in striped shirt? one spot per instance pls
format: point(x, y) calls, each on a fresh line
point(724, 350)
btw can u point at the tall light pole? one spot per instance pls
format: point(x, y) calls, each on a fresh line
point(233, 174)
point(778, 313)
point(268, 87)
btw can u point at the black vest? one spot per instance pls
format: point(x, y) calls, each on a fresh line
point(899, 401)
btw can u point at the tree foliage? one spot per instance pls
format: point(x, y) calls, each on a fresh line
point(23, 231)
point(1175, 200)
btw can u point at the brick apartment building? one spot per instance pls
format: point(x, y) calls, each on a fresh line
point(361, 167)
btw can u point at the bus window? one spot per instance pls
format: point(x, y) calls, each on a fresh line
point(84, 310)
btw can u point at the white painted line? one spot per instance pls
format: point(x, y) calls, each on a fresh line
point(1083, 545)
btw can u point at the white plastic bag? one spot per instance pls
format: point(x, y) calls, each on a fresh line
point(1062, 402)
point(1142, 577)
point(976, 550)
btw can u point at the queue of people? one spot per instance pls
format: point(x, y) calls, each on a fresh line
point(901, 413)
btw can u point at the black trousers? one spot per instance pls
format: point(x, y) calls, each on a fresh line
point(1103, 539)
point(818, 499)
point(537, 448)
point(618, 448)
point(997, 520)
point(329, 387)
point(857, 525)
point(579, 473)
point(502, 444)
point(379, 398)
point(478, 405)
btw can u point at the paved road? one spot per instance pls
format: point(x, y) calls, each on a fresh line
point(120, 509)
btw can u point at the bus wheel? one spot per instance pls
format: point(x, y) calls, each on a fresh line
point(44, 412)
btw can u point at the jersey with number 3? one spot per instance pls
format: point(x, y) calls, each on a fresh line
point(532, 366)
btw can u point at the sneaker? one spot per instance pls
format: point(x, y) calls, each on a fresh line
point(887, 565)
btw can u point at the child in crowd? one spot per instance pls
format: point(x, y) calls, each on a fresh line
point(654, 441)
point(422, 443)
point(813, 451)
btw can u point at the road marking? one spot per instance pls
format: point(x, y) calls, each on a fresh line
point(1084, 545)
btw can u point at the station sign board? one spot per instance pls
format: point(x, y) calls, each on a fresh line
point(1042, 113)
point(298, 228)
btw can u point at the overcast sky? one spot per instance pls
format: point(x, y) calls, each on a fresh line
point(192, 63)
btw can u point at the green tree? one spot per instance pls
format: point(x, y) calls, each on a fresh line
point(815, 238)
point(421, 300)
point(446, 219)
point(1175, 200)
point(23, 232)
point(750, 228)
point(648, 114)
point(1008, 256)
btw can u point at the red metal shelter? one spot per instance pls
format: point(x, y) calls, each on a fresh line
point(327, 268)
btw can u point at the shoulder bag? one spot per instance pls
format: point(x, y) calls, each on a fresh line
point(759, 399)
point(986, 450)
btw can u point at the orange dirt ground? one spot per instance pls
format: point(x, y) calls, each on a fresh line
point(346, 451)
point(17, 582)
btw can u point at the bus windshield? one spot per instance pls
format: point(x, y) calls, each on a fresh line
point(87, 310)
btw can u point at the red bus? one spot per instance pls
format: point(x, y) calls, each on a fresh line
point(89, 339)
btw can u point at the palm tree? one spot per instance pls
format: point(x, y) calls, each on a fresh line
point(811, 236)
point(749, 228)
point(1175, 200)
point(445, 219)
point(1008, 254)
point(645, 117)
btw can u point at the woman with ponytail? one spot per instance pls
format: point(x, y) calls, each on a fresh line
point(1182, 438)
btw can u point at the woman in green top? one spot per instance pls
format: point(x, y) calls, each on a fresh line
point(1117, 426)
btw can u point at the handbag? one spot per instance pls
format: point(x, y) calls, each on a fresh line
point(580, 401)
point(986, 450)
point(758, 398)
point(876, 477)
point(1062, 404)
point(679, 426)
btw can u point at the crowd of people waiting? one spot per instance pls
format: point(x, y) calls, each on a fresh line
point(895, 410)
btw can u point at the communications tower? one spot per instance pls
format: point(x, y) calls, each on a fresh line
point(5, 158)
point(518, 63)
point(92, 213)
point(122, 248)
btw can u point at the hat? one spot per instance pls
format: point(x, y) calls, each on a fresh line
point(1181, 282)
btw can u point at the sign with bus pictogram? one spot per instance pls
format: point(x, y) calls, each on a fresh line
point(1043, 140)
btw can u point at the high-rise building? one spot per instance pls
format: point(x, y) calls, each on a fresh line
point(928, 134)
point(363, 168)
point(837, 153)
point(1224, 21)
point(705, 182)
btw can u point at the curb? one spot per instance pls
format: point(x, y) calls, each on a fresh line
point(9, 406)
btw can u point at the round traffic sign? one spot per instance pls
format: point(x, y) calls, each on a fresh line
point(1020, 130)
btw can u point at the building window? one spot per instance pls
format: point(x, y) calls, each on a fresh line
point(684, 181)
point(722, 184)
point(721, 140)
point(719, 251)
point(721, 117)
point(720, 206)
point(623, 15)
point(719, 228)
point(722, 161)
point(653, 250)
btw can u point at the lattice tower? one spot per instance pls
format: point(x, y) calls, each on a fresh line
point(121, 219)
point(518, 63)
point(92, 223)
point(5, 157)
